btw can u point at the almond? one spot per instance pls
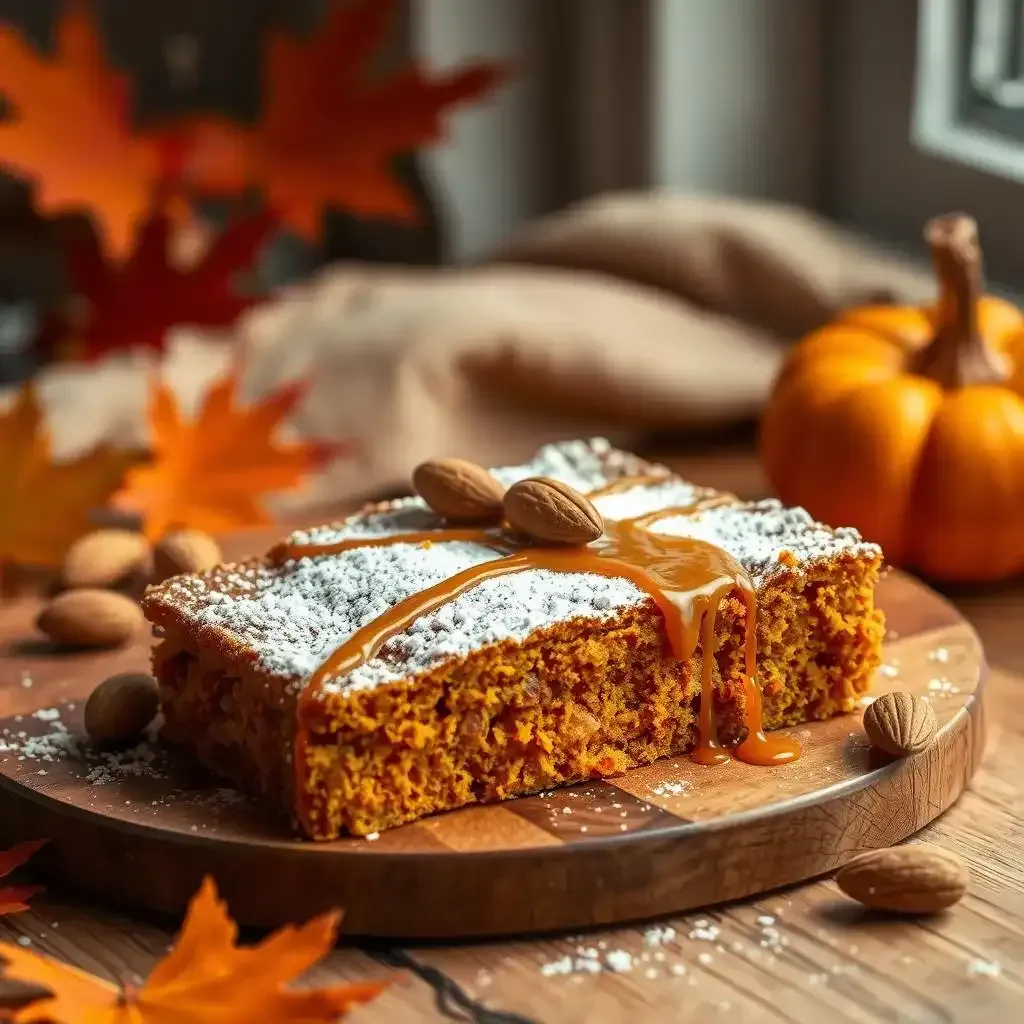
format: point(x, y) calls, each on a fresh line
point(106, 558)
point(917, 879)
point(552, 512)
point(121, 707)
point(900, 723)
point(184, 551)
point(90, 618)
point(459, 490)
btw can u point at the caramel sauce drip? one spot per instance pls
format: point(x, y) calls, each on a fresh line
point(688, 579)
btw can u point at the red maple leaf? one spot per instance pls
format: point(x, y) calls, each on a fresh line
point(13, 897)
point(132, 305)
point(328, 132)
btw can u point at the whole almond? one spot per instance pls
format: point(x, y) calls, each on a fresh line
point(121, 707)
point(185, 551)
point(459, 490)
point(106, 558)
point(900, 723)
point(552, 512)
point(917, 879)
point(90, 618)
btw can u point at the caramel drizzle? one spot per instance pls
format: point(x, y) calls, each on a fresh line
point(687, 579)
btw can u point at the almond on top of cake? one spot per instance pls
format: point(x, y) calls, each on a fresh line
point(375, 670)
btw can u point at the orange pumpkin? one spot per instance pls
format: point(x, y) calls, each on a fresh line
point(908, 423)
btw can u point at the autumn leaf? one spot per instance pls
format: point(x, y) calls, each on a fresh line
point(211, 473)
point(328, 133)
point(132, 305)
point(45, 505)
point(205, 979)
point(13, 897)
point(69, 131)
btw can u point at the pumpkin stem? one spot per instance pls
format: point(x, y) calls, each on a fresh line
point(958, 355)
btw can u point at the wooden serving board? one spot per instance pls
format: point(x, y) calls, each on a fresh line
point(661, 839)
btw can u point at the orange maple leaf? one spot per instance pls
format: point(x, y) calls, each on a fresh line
point(69, 132)
point(205, 978)
point(211, 473)
point(13, 897)
point(327, 135)
point(46, 506)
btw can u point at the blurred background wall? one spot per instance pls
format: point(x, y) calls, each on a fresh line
point(811, 101)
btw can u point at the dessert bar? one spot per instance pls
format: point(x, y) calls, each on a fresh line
point(372, 671)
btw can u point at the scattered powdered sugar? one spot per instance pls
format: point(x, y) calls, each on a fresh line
point(47, 714)
point(51, 746)
point(669, 951)
point(672, 788)
point(659, 935)
point(619, 961)
point(704, 930)
point(984, 969)
point(296, 614)
point(942, 687)
point(113, 765)
point(101, 767)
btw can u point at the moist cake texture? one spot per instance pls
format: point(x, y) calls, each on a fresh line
point(523, 682)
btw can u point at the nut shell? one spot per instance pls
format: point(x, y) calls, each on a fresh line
point(552, 512)
point(121, 707)
point(106, 558)
point(185, 551)
point(461, 491)
point(900, 723)
point(916, 879)
point(90, 618)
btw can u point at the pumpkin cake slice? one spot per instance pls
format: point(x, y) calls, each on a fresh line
point(525, 681)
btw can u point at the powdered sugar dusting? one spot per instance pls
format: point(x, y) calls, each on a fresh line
point(584, 465)
point(300, 613)
point(407, 515)
point(293, 616)
point(639, 500)
point(757, 533)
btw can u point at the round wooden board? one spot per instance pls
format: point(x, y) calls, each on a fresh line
point(669, 837)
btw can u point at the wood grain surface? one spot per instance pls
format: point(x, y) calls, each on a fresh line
point(142, 833)
point(803, 953)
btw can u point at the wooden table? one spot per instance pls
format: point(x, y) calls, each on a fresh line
point(803, 954)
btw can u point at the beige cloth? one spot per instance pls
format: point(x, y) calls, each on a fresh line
point(654, 312)
point(780, 268)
